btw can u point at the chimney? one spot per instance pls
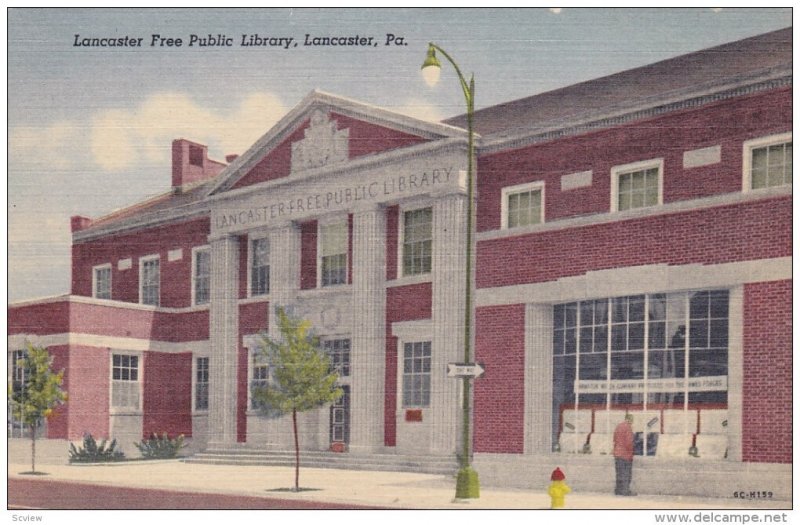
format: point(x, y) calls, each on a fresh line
point(190, 164)
point(230, 158)
point(78, 223)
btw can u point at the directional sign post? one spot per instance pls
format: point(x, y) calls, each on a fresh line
point(465, 370)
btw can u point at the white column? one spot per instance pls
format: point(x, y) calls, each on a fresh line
point(735, 371)
point(284, 266)
point(368, 346)
point(538, 378)
point(224, 334)
point(449, 270)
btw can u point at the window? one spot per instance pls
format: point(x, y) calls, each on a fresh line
point(101, 281)
point(768, 162)
point(417, 241)
point(201, 384)
point(339, 352)
point(259, 378)
point(417, 374)
point(640, 353)
point(333, 253)
point(523, 205)
point(259, 267)
point(637, 185)
point(125, 381)
point(201, 275)
point(150, 280)
point(17, 371)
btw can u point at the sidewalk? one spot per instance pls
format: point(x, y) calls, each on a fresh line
point(383, 489)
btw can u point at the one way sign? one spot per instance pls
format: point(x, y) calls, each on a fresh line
point(465, 369)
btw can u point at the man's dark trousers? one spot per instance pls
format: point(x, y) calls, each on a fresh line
point(624, 469)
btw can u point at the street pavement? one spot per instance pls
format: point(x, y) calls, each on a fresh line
point(342, 488)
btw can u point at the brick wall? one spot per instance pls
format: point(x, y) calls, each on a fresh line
point(276, 164)
point(89, 376)
point(726, 123)
point(403, 303)
point(367, 139)
point(253, 319)
point(740, 232)
point(176, 276)
point(308, 255)
point(241, 397)
point(499, 395)
point(167, 394)
point(58, 422)
point(39, 319)
point(767, 390)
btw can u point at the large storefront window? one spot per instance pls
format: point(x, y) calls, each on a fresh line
point(662, 357)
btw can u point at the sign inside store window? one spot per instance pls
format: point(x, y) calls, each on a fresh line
point(665, 384)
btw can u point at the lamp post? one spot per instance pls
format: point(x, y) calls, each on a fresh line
point(467, 485)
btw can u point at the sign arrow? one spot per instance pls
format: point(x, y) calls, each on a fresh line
point(465, 370)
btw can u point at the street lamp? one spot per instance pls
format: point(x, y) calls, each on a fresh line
point(467, 485)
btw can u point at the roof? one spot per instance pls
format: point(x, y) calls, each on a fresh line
point(686, 72)
point(163, 203)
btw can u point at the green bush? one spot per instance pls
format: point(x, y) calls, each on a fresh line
point(91, 452)
point(160, 447)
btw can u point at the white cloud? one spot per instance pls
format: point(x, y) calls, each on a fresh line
point(420, 110)
point(121, 137)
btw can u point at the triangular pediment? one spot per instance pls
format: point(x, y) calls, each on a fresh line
point(327, 130)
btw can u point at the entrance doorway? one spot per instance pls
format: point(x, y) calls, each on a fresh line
point(340, 418)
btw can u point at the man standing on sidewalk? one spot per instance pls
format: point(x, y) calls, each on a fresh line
point(623, 456)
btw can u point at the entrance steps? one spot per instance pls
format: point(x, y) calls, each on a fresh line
point(445, 465)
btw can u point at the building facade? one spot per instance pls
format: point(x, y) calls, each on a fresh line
point(633, 254)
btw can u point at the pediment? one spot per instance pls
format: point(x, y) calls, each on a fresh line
point(326, 130)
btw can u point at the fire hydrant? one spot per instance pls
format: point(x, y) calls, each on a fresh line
point(558, 489)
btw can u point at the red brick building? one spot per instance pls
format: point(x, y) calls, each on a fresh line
point(633, 255)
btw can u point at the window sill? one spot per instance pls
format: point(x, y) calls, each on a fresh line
point(326, 290)
point(411, 279)
point(200, 413)
point(125, 412)
point(255, 299)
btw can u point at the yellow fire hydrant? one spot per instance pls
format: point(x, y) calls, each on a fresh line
point(558, 489)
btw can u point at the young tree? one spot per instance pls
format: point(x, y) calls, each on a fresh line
point(301, 375)
point(34, 398)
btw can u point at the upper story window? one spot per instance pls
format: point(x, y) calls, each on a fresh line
point(333, 253)
point(259, 266)
point(201, 275)
point(101, 281)
point(150, 280)
point(637, 185)
point(417, 241)
point(125, 389)
point(523, 205)
point(768, 162)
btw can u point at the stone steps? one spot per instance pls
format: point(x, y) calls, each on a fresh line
point(317, 459)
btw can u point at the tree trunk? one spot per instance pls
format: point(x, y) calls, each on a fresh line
point(296, 453)
point(33, 448)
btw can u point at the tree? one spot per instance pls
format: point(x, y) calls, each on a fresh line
point(37, 394)
point(301, 375)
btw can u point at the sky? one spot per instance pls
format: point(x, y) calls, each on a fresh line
point(90, 128)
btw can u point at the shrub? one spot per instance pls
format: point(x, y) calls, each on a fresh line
point(91, 452)
point(160, 447)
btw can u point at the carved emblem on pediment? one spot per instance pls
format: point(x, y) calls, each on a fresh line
point(322, 144)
